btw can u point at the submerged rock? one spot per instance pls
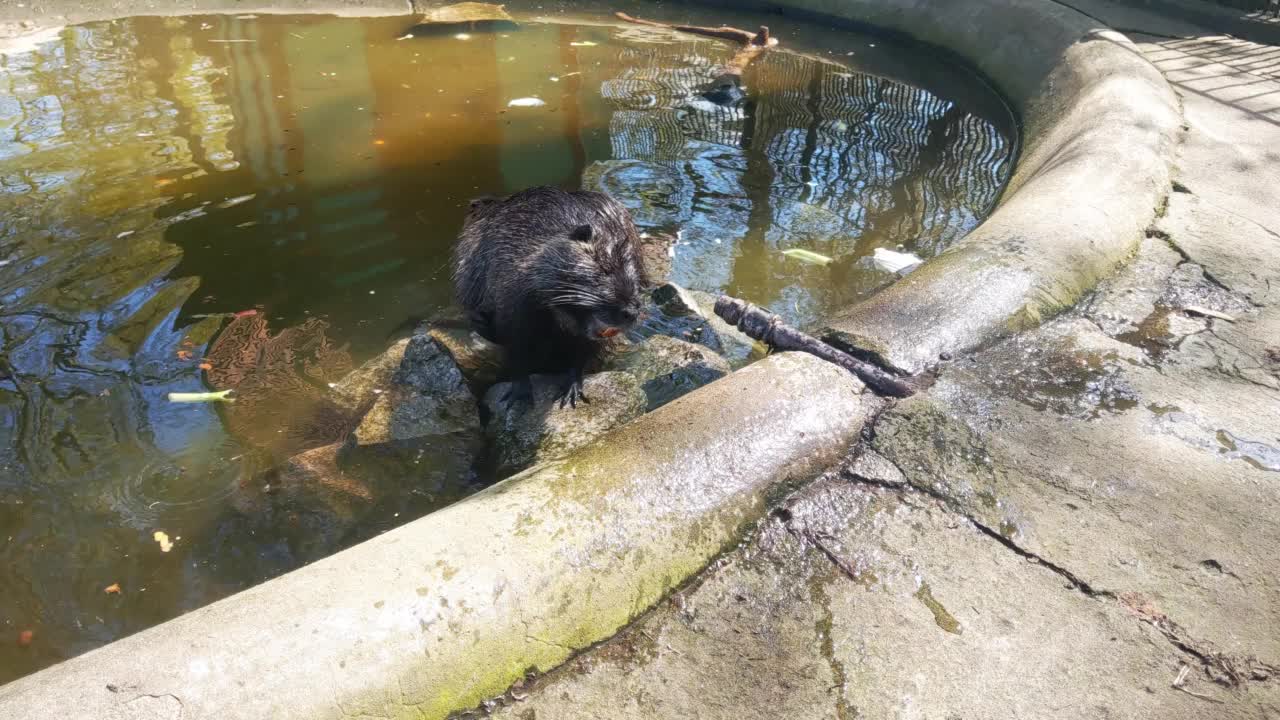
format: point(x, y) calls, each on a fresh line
point(425, 423)
point(522, 435)
point(667, 368)
point(474, 16)
point(308, 501)
point(655, 250)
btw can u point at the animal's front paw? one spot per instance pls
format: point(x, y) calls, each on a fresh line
point(573, 391)
point(520, 391)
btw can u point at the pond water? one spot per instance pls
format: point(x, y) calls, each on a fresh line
point(264, 202)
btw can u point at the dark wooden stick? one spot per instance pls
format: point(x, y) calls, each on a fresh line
point(724, 32)
point(769, 329)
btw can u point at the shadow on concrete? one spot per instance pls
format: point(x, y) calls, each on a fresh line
point(1235, 72)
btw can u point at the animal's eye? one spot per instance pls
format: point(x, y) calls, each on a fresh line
point(582, 233)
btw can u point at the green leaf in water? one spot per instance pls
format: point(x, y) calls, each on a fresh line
point(807, 256)
point(204, 397)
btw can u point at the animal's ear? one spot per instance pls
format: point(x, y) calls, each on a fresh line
point(582, 233)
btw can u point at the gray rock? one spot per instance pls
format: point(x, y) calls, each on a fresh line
point(667, 368)
point(521, 435)
point(425, 423)
point(479, 360)
point(674, 301)
point(361, 387)
point(689, 315)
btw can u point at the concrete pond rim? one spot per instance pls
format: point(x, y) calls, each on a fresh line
point(444, 612)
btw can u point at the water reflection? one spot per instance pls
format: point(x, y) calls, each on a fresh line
point(819, 156)
point(221, 202)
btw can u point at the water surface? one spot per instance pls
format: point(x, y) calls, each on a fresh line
point(261, 203)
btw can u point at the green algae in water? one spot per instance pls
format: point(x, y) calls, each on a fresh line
point(941, 617)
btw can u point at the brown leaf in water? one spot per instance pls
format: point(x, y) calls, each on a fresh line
point(206, 366)
point(112, 589)
point(25, 637)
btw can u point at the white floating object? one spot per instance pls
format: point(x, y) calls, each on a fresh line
point(232, 202)
point(1206, 312)
point(807, 256)
point(124, 234)
point(527, 102)
point(584, 43)
point(462, 36)
point(203, 397)
point(893, 261)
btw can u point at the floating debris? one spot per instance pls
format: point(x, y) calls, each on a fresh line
point(203, 397)
point(807, 256)
point(894, 262)
point(162, 537)
point(527, 102)
point(112, 589)
point(232, 202)
point(583, 43)
point(1206, 312)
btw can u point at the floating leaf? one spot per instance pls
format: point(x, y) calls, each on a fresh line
point(25, 637)
point(807, 256)
point(204, 397)
point(112, 589)
point(162, 538)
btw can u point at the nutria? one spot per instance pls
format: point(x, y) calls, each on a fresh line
point(550, 275)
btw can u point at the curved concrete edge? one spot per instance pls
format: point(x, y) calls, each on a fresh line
point(453, 608)
point(1098, 145)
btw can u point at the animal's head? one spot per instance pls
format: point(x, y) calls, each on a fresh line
point(600, 278)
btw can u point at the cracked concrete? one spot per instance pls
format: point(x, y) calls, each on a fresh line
point(1080, 521)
